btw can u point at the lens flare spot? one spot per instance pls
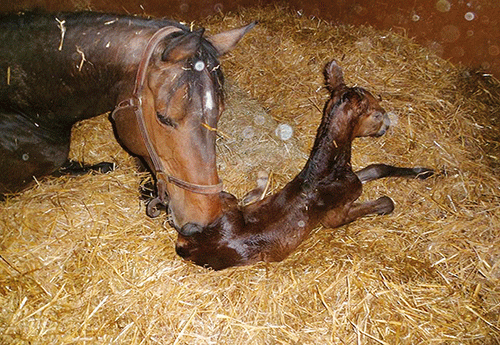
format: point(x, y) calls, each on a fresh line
point(443, 6)
point(199, 66)
point(284, 131)
point(450, 33)
point(469, 16)
point(494, 50)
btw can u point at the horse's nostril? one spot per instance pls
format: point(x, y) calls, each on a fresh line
point(190, 229)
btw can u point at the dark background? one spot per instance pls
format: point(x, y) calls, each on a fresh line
point(462, 31)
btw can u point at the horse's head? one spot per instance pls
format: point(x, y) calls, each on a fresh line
point(171, 120)
point(373, 121)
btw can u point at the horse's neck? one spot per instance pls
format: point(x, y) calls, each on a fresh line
point(98, 63)
point(110, 52)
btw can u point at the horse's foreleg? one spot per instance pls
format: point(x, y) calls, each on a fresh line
point(75, 168)
point(376, 171)
point(381, 206)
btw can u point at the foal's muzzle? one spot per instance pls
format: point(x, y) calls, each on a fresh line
point(385, 126)
point(182, 248)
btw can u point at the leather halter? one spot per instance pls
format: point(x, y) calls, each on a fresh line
point(135, 102)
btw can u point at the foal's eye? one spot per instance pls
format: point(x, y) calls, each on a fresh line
point(166, 120)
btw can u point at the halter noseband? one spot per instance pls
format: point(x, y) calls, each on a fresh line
point(135, 102)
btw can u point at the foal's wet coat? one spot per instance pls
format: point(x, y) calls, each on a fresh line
point(324, 191)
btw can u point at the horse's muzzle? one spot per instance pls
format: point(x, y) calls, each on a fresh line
point(190, 229)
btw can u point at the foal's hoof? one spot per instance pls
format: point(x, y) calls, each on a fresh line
point(423, 173)
point(259, 192)
point(384, 205)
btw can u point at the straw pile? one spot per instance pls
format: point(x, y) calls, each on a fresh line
point(82, 264)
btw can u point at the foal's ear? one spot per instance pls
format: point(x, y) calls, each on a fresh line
point(226, 41)
point(185, 47)
point(333, 76)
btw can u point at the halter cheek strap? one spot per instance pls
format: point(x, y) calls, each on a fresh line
point(135, 102)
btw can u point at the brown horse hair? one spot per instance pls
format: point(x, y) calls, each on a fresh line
point(325, 191)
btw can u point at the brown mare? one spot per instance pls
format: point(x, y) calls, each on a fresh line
point(58, 69)
point(325, 191)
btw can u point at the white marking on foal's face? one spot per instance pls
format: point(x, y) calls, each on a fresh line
point(209, 100)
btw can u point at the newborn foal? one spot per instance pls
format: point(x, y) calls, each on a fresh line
point(324, 191)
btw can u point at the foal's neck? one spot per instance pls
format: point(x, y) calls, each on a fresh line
point(331, 152)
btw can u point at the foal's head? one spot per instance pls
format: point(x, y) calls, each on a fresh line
point(372, 120)
point(181, 99)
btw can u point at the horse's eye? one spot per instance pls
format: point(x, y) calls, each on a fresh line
point(166, 120)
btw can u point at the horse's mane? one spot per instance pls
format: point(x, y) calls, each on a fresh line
point(40, 18)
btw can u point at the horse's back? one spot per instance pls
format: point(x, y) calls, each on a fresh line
point(43, 90)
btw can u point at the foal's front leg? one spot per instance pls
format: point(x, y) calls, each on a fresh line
point(376, 171)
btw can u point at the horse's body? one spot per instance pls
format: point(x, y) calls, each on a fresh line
point(324, 191)
point(58, 69)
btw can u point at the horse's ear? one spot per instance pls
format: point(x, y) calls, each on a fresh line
point(185, 47)
point(226, 41)
point(334, 76)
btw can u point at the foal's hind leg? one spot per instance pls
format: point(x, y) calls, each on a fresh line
point(376, 171)
point(381, 206)
point(259, 192)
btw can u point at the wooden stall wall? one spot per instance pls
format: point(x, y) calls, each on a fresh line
point(464, 31)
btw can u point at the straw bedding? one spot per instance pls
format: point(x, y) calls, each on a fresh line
point(82, 264)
